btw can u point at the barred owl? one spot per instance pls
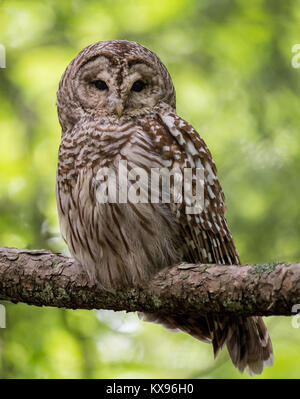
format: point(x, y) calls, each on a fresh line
point(116, 102)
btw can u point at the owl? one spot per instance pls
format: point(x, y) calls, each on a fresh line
point(116, 106)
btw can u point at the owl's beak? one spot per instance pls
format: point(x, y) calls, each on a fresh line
point(119, 108)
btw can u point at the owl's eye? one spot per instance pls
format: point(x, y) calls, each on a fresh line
point(138, 86)
point(100, 85)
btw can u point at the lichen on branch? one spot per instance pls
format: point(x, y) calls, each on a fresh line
point(43, 278)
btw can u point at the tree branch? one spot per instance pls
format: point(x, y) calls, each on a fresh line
point(42, 278)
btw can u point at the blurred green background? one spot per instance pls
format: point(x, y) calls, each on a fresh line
point(231, 65)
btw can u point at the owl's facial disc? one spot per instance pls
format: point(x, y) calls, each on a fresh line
point(143, 88)
point(92, 84)
point(108, 88)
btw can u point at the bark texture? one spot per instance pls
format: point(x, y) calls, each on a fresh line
point(42, 278)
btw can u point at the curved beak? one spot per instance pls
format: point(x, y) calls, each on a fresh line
point(119, 108)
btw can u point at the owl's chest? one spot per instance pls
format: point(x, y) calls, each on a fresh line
point(108, 221)
point(92, 146)
point(106, 150)
point(114, 234)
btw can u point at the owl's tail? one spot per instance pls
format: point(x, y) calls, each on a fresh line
point(247, 339)
point(249, 345)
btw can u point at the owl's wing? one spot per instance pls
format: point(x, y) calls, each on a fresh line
point(208, 240)
point(207, 236)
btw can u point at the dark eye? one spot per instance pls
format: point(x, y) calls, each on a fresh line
point(100, 85)
point(138, 85)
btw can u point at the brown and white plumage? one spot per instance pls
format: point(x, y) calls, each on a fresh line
point(121, 244)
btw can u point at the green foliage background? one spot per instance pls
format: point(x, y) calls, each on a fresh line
point(231, 65)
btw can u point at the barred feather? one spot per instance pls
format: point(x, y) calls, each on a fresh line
point(122, 244)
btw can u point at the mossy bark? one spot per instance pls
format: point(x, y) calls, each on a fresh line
point(42, 278)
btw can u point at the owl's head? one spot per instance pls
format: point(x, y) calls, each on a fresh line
point(113, 78)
